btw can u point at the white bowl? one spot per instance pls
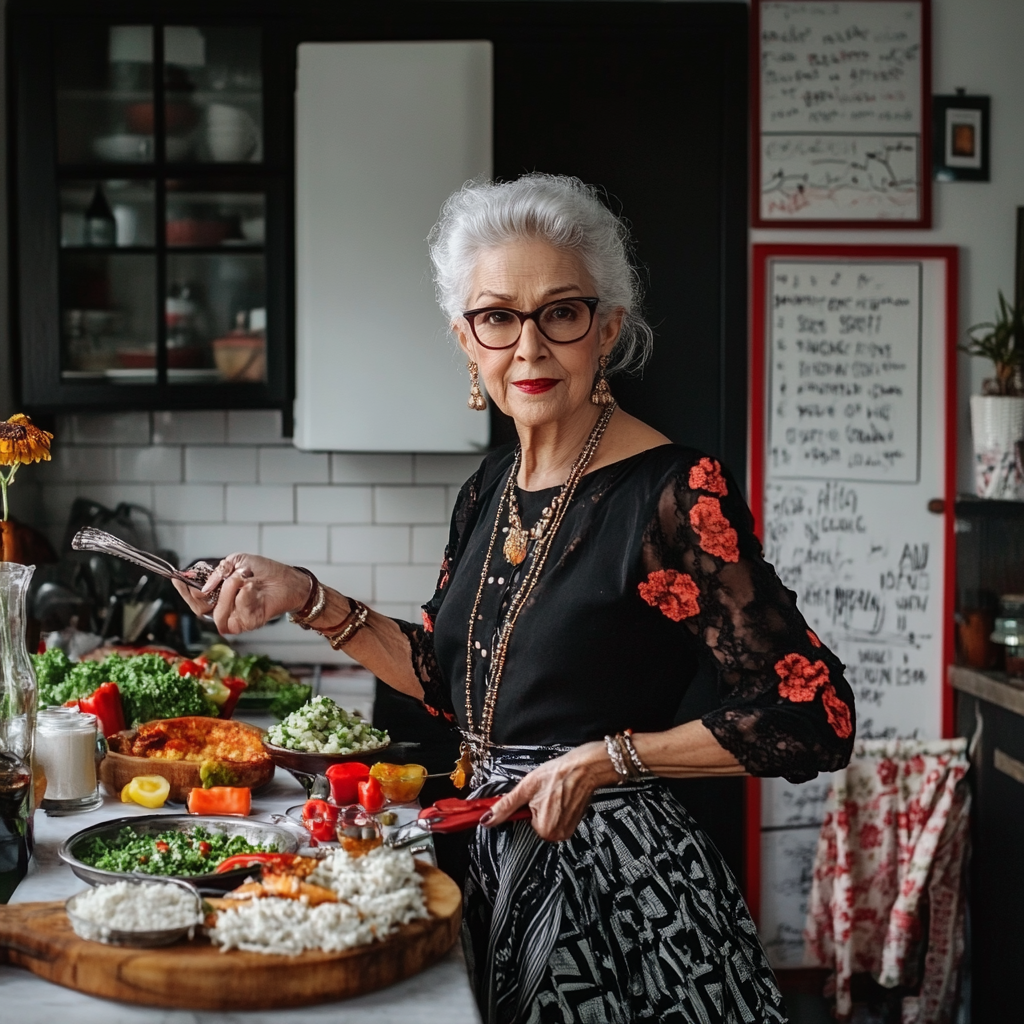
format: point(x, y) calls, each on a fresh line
point(124, 148)
point(254, 229)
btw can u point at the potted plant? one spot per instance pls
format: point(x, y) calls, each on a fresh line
point(997, 415)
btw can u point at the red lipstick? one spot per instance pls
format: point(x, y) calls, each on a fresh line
point(536, 385)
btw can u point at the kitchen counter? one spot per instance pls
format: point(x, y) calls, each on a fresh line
point(995, 687)
point(439, 995)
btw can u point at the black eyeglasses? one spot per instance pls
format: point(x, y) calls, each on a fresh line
point(562, 321)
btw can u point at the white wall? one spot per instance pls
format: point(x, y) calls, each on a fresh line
point(976, 45)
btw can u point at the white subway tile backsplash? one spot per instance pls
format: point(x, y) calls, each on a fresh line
point(260, 503)
point(446, 469)
point(210, 541)
point(112, 495)
point(351, 580)
point(70, 464)
point(153, 463)
point(220, 465)
point(294, 544)
point(287, 465)
point(108, 428)
point(396, 610)
point(55, 501)
point(369, 544)
point(410, 505)
point(353, 468)
point(334, 504)
point(406, 583)
point(189, 503)
point(255, 426)
point(192, 427)
point(428, 544)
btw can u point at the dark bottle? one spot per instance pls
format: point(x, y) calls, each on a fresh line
point(15, 823)
point(100, 226)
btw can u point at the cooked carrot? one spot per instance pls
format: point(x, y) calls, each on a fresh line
point(220, 800)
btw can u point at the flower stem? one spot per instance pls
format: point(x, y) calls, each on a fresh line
point(3, 489)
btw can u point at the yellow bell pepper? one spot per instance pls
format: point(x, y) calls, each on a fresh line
point(147, 790)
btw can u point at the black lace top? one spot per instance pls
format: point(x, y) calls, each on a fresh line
point(655, 567)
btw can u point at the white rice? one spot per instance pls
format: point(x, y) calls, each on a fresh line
point(376, 894)
point(134, 907)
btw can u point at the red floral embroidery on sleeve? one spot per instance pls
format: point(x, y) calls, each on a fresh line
point(801, 679)
point(717, 537)
point(673, 593)
point(433, 711)
point(428, 622)
point(813, 637)
point(706, 475)
point(837, 711)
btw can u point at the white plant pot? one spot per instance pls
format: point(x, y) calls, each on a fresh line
point(997, 424)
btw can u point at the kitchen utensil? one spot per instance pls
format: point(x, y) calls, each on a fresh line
point(153, 824)
point(192, 975)
point(144, 939)
point(91, 539)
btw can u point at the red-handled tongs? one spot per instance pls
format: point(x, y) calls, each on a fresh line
point(448, 815)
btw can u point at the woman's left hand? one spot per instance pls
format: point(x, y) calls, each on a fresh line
point(557, 792)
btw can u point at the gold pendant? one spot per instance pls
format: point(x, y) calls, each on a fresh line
point(515, 544)
point(463, 767)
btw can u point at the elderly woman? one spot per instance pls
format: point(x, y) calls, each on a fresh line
point(589, 570)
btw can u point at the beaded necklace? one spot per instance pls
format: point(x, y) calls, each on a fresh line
point(477, 742)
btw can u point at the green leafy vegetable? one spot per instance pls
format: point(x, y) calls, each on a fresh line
point(150, 688)
point(265, 678)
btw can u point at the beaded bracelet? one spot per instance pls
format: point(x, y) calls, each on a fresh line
point(338, 636)
point(315, 603)
point(611, 744)
point(627, 742)
point(624, 758)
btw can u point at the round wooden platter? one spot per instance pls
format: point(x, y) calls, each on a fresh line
point(197, 976)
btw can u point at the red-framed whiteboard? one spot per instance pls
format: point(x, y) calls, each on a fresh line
point(852, 435)
point(840, 114)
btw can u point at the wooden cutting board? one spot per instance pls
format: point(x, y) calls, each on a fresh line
point(197, 976)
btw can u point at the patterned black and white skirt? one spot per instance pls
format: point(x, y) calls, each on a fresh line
point(635, 918)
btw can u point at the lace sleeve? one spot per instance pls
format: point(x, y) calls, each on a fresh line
point(437, 698)
point(786, 708)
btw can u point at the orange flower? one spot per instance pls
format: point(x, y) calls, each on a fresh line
point(673, 593)
point(717, 537)
point(706, 475)
point(800, 680)
point(837, 711)
point(22, 443)
point(812, 636)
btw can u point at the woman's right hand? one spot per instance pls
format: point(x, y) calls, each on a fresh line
point(253, 591)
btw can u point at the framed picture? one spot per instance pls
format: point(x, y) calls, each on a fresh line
point(960, 126)
point(841, 96)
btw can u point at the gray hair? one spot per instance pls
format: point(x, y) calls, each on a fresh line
point(560, 210)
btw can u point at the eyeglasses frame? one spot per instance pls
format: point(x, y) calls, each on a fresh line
point(591, 302)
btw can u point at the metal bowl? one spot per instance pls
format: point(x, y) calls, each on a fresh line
point(154, 824)
point(85, 929)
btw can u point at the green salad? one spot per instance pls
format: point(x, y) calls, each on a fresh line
point(195, 852)
point(321, 727)
point(267, 680)
point(150, 687)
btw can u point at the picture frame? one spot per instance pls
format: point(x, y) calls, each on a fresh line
point(828, 149)
point(960, 137)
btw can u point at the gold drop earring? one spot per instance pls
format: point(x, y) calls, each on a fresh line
point(601, 395)
point(476, 396)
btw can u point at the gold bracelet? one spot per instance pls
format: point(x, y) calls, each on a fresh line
point(634, 757)
point(315, 611)
point(338, 636)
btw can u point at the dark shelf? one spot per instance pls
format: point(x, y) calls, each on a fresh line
point(111, 250)
point(217, 250)
point(152, 169)
point(971, 507)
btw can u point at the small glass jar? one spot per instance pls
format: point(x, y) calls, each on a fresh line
point(358, 832)
point(66, 747)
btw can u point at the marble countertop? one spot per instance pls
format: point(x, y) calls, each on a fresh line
point(439, 995)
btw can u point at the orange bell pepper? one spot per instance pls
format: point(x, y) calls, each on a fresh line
point(220, 800)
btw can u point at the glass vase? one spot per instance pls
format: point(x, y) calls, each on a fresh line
point(17, 728)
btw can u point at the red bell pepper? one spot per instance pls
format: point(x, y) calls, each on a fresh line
point(190, 668)
point(236, 685)
point(371, 796)
point(105, 703)
point(220, 800)
point(249, 860)
point(344, 778)
point(321, 820)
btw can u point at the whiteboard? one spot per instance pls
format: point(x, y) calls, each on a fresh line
point(855, 355)
point(385, 132)
point(842, 106)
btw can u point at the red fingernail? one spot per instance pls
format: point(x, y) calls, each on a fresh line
point(486, 817)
